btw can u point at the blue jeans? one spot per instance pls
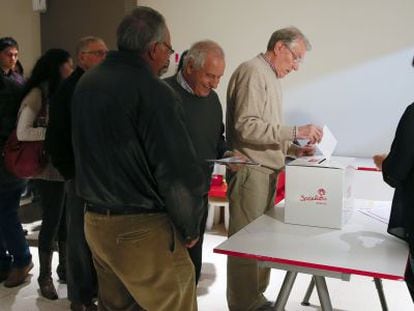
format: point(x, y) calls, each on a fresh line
point(14, 250)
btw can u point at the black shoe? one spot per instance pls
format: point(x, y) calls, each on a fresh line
point(4, 274)
point(47, 288)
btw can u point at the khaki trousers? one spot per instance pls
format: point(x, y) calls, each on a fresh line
point(251, 193)
point(140, 263)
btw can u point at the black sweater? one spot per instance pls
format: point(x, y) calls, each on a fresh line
point(204, 120)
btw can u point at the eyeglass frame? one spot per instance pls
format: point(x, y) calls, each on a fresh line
point(169, 47)
point(296, 58)
point(100, 53)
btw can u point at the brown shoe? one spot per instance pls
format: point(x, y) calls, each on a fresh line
point(17, 276)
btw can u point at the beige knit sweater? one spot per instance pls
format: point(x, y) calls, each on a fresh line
point(254, 119)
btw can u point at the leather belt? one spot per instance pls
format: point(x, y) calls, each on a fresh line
point(104, 210)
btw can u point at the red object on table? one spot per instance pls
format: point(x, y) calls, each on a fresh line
point(280, 187)
point(218, 191)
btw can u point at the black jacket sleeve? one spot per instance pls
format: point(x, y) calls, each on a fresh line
point(399, 164)
point(10, 94)
point(58, 142)
point(179, 176)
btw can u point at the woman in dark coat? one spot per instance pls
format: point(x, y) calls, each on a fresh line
point(398, 172)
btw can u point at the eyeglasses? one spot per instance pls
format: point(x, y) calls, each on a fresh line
point(296, 59)
point(169, 47)
point(99, 53)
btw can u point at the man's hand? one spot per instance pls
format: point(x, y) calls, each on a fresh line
point(304, 151)
point(378, 159)
point(312, 132)
point(191, 243)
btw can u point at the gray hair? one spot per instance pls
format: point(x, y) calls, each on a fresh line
point(289, 36)
point(85, 41)
point(199, 50)
point(139, 29)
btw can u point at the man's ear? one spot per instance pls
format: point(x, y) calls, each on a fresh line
point(81, 58)
point(189, 68)
point(278, 46)
point(152, 51)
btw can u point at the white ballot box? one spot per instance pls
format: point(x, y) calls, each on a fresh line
point(319, 192)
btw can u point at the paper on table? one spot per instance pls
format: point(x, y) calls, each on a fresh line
point(327, 144)
point(379, 210)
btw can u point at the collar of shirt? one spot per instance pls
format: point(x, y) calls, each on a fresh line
point(269, 63)
point(181, 81)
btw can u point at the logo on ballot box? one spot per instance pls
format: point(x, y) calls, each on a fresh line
point(320, 197)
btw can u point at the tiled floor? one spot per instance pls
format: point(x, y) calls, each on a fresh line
point(357, 295)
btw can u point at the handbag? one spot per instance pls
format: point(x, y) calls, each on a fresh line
point(25, 159)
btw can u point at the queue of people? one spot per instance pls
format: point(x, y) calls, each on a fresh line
point(125, 189)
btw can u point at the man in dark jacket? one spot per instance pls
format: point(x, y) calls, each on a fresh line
point(203, 67)
point(137, 170)
point(80, 273)
point(15, 257)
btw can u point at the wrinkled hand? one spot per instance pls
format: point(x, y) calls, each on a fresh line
point(304, 151)
point(378, 159)
point(191, 243)
point(311, 132)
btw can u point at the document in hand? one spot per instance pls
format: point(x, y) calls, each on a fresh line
point(233, 160)
point(327, 144)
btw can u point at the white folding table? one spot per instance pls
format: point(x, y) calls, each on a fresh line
point(361, 247)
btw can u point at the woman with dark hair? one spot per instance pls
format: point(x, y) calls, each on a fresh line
point(398, 172)
point(54, 66)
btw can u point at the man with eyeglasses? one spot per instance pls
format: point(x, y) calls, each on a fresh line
point(256, 129)
point(80, 273)
point(9, 54)
point(137, 170)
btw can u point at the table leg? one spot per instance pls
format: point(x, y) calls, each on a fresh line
point(285, 291)
point(380, 289)
point(323, 293)
point(305, 301)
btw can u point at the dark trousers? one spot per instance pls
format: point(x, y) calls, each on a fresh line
point(14, 250)
point(53, 223)
point(196, 252)
point(409, 273)
point(80, 273)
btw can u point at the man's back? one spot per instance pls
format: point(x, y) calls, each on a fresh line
point(131, 146)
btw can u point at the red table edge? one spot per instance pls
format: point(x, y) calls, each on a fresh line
point(310, 265)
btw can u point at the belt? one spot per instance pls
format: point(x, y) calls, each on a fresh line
point(104, 210)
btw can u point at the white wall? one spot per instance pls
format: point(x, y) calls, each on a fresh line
point(357, 79)
point(18, 20)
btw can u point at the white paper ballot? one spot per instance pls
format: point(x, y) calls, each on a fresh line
point(327, 144)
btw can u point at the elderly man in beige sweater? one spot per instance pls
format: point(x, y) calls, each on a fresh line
point(255, 128)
